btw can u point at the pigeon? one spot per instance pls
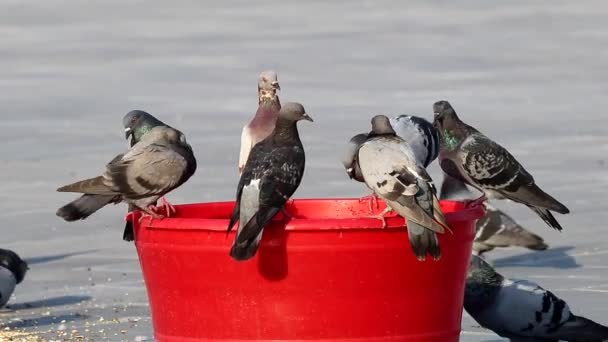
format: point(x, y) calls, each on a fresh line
point(136, 124)
point(418, 132)
point(160, 162)
point(12, 272)
point(265, 118)
point(390, 168)
point(272, 174)
point(495, 229)
point(471, 157)
point(521, 310)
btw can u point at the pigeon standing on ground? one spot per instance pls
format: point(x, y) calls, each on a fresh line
point(495, 229)
point(12, 272)
point(136, 124)
point(390, 168)
point(265, 118)
point(469, 156)
point(271, 175)
point(523, 311)
point(160, 162)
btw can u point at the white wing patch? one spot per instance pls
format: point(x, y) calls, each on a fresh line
point(246, 145)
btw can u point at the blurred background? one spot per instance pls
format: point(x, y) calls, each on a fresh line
point(533, 75)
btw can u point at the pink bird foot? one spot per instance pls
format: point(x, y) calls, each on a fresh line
point(373, 201)
point(169, 208)
point(382, 217)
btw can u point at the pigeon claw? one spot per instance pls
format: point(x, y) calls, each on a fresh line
point(150, 213)
point(168, 207)
point(382, 217)
point(372, 200)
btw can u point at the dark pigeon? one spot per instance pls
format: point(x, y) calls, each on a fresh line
point(522, 310)
point(471, 157)
point(272, 174)
point(495, 229)
point(265, 118)
point(12, 272)
point(160, 162)
point(136, 124)
point(390, 168)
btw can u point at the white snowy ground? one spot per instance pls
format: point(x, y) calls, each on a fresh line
point(531, 74)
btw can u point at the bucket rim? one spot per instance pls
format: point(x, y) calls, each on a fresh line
point(461, 212)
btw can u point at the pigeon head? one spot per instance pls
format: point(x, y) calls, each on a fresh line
point(350, 155)
point(481, 271)
point(293, 111)
point(443, 113)
point(268, 84)
point(482, 284)
point(137, 123)
point(11, 261)
point(269, 80)
point(381, 125)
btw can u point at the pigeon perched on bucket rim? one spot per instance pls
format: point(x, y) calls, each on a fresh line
point(471, 157)
point(272, 174)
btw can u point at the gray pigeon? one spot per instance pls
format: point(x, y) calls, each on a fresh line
point(390, 168)
point(160, 162)
point(471, 157)
point(271, 175)
point(264, 120)
point(418, 132)
point(495, 229)
point(523, 311)
point(12, 272)
point(136, 124)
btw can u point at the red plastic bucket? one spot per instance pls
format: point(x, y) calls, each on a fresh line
point(325, 275)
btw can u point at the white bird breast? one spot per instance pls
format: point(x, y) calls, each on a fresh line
point(7, 285)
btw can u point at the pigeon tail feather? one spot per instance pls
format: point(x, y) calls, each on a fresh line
point(88, 186)
point(423, 241)
point(248, 239)
point(84, 206)
point(581, 329)
point(128, 234)
point(547, 217)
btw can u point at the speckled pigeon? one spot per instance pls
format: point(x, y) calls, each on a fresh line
point(522, 310)
point(390, 168)
point(495, 229)
point(271, 175)
point(12, 272)
point(160, 162)
point(264, 120)
point(469, 156)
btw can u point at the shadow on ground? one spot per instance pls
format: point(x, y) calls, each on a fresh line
point(43, 321)
point(554, 257)
point(54, 257)
point(49, 302)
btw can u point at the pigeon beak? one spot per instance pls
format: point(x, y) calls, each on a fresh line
point(276, 85)
point(307, 117)
point(128, 132)
point(350, 172)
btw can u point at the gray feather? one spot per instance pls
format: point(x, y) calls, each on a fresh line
point(161, 161)
point(520, 309)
